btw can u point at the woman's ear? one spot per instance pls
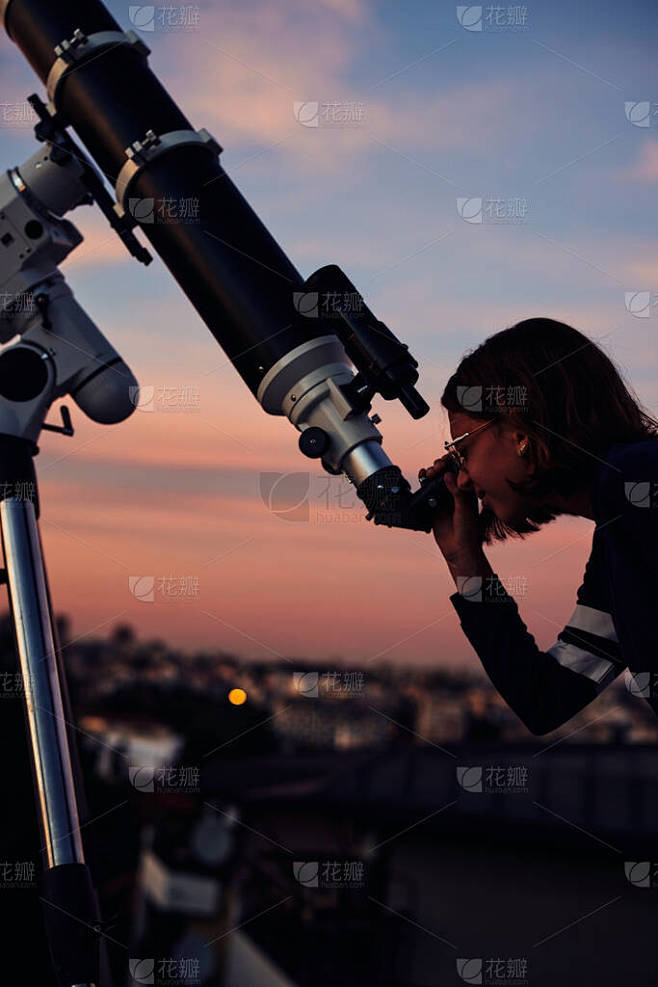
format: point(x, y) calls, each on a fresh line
point(521, 440)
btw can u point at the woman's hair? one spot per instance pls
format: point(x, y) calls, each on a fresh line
point(564, 393)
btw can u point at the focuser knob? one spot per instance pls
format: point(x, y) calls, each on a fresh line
point(314, 442)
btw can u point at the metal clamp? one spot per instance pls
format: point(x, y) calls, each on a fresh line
point(80, 47)
point(141, 153)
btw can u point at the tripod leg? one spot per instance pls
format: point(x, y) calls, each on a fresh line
point(71, 910)
point(22, 910)
point(83, 811)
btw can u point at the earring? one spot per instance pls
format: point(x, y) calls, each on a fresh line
point(523, 448)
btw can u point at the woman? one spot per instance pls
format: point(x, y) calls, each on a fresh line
point(542, 425)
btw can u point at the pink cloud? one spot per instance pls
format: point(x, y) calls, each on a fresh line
point(645, 169)
point(101, 246)
point(643, 269)
point(242, 75)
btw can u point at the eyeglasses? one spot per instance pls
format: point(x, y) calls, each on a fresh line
point(454, 453)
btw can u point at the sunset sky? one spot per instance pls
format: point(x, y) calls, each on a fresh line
point(534, 112)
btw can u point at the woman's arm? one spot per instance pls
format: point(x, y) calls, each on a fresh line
point(544, 688)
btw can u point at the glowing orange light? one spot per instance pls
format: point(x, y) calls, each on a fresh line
point(237, 697)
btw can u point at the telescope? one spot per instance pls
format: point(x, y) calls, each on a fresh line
point(295, 343)
point(308, 349)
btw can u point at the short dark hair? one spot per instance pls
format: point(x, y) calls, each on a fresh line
point(564, 392)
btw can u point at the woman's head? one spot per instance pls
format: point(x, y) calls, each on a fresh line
point(555, 403)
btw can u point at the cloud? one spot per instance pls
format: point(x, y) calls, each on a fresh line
point(643, 270)
point(242, 75)
point(352, 10)
point(645, 169)
point(101, 246)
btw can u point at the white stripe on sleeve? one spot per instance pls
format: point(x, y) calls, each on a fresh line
point(595, 621)
point(597, 669)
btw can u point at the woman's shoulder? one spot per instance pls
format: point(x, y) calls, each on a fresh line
point(627, 458)
point(626, 469)
point(626, 494)
point(631, 455)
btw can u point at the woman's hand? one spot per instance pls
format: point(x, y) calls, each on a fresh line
point(456, 533)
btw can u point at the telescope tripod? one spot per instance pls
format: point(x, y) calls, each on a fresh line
point(70, 906)
point(60, 351)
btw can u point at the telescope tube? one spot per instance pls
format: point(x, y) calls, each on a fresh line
point(230, 267)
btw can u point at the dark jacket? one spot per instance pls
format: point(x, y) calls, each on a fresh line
point(614, 623)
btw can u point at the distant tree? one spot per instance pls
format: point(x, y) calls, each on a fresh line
point(122, 636)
